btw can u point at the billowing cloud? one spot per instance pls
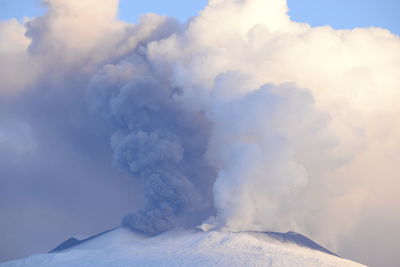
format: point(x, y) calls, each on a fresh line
point(159, 141)
point(240, 119)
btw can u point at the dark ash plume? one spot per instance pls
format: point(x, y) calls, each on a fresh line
point(158, 141)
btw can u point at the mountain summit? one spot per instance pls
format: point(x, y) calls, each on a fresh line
point(123, 247)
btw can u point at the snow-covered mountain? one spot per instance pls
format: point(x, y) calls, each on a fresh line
point(122, 247)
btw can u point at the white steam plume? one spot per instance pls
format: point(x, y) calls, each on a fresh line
point(299, 127)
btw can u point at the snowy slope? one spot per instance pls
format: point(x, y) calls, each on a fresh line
point(122, 247)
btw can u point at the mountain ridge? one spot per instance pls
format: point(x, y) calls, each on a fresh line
point(122, 247)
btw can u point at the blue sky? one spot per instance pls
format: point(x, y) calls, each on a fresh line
point(341, 14)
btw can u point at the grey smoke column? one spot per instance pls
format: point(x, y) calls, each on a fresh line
point(161, 143)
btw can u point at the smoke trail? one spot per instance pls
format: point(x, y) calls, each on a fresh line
point(163, 144)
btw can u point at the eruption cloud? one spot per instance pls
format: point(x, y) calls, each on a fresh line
point(240, 119)
point(159, 141)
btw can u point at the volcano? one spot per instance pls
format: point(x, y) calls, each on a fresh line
point(123, 247)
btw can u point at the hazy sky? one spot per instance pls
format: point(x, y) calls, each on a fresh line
point(341, 14)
